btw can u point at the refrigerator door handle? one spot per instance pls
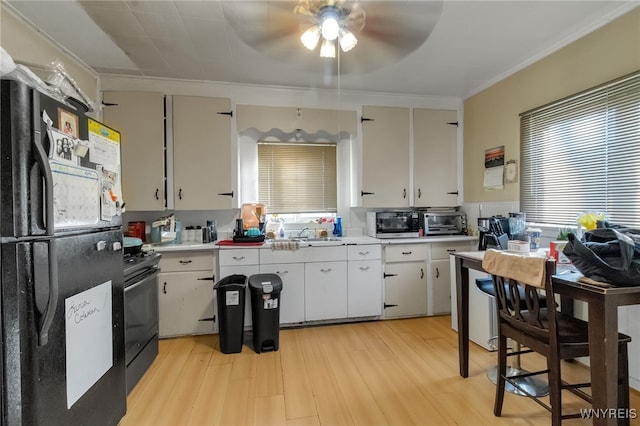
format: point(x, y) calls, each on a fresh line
point(48, 282)
point(43, 162)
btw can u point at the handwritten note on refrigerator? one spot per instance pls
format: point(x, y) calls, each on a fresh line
point(89, 343)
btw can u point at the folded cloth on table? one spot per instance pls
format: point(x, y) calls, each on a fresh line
point(285, 245)
point(523, 268)
point(588, 280)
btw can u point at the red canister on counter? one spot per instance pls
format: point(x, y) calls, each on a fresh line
point(137, 230)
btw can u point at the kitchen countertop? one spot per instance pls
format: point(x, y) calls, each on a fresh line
point(343, 241)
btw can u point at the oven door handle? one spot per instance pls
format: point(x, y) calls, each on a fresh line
point(142, 279)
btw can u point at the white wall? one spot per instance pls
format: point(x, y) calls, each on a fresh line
point(32, 48)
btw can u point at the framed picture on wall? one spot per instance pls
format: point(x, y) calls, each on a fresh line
point(68, 122)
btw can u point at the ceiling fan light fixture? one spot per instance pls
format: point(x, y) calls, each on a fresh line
point(327, 49)
point(311, 37)
point(347, 40)
point(330, 26)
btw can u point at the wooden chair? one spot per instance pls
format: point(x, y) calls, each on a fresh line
point(548, 332)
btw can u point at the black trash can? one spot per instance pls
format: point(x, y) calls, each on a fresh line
point(265, 311)
point(230, 293)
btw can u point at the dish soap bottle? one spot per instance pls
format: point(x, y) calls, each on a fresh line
point(337, 227)
point(281, 230)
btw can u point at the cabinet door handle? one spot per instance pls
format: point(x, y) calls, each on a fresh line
point(421, 273)
point(419, 193)
point(453, 193)
point(388, 306)
point(407, 252)
point(157, 197)
point(437, 273)
point(363, 253)
point(364, 268)
point(185, 262)
point(282, 273)
point(164, 288)
point(404, 193)
point(326, 271)
point(212, 278)
point(363, 193)
point(180, 193)
point(238, 258)
point(451, 250)
point(389, 275)
point(227, 194)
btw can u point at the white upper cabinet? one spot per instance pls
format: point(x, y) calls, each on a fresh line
point(202, 162)
point(435, 158)
point(289, 119)
point(385, 157)
point(139, 117)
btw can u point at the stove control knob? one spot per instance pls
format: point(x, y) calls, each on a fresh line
point(116, 246)
point(101, 245)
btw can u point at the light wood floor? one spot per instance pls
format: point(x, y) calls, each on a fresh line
point(394, 372)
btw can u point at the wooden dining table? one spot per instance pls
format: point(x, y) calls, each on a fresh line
point(603, 302)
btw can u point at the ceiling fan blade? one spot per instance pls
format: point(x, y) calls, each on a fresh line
point(356, 19)
point(393, 29)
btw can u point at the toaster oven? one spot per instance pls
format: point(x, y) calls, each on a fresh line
point(393, 224)
point(443, 223)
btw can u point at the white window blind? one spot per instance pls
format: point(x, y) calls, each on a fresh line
point(582, 153)
point(297, 177)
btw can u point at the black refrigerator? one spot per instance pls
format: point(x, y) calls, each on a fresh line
point(61, 282)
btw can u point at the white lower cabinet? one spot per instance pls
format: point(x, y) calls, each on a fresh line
point(405, 280)
point(439, 283)
point(365, 288)
point(405, 289)
point(243, 262)
point(292, 294)
point(365, 281)
point(318, 284)
point(439, 288)
point(186, 296)
point(325, 289)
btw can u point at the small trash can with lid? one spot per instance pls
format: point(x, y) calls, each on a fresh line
point(265, 311)
point(230, 292)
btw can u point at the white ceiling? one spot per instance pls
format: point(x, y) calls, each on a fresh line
point(472, 45)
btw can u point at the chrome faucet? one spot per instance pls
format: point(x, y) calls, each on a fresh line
point(306, 228)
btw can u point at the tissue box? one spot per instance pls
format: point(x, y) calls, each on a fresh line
point(518, 246)
point(555, 251)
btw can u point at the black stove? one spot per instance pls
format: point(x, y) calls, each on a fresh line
point(138, 263)
point(141, 318)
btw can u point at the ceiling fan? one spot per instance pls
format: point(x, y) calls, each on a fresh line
point(384, 30)
point(330, 20)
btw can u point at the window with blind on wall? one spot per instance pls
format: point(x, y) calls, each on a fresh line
point(582, 154)
point(297, 177)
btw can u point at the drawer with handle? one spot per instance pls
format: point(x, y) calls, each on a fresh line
point(364, 252)
point(187, 261)
point(234, 257)
point(406, 252)
point(442, 250)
